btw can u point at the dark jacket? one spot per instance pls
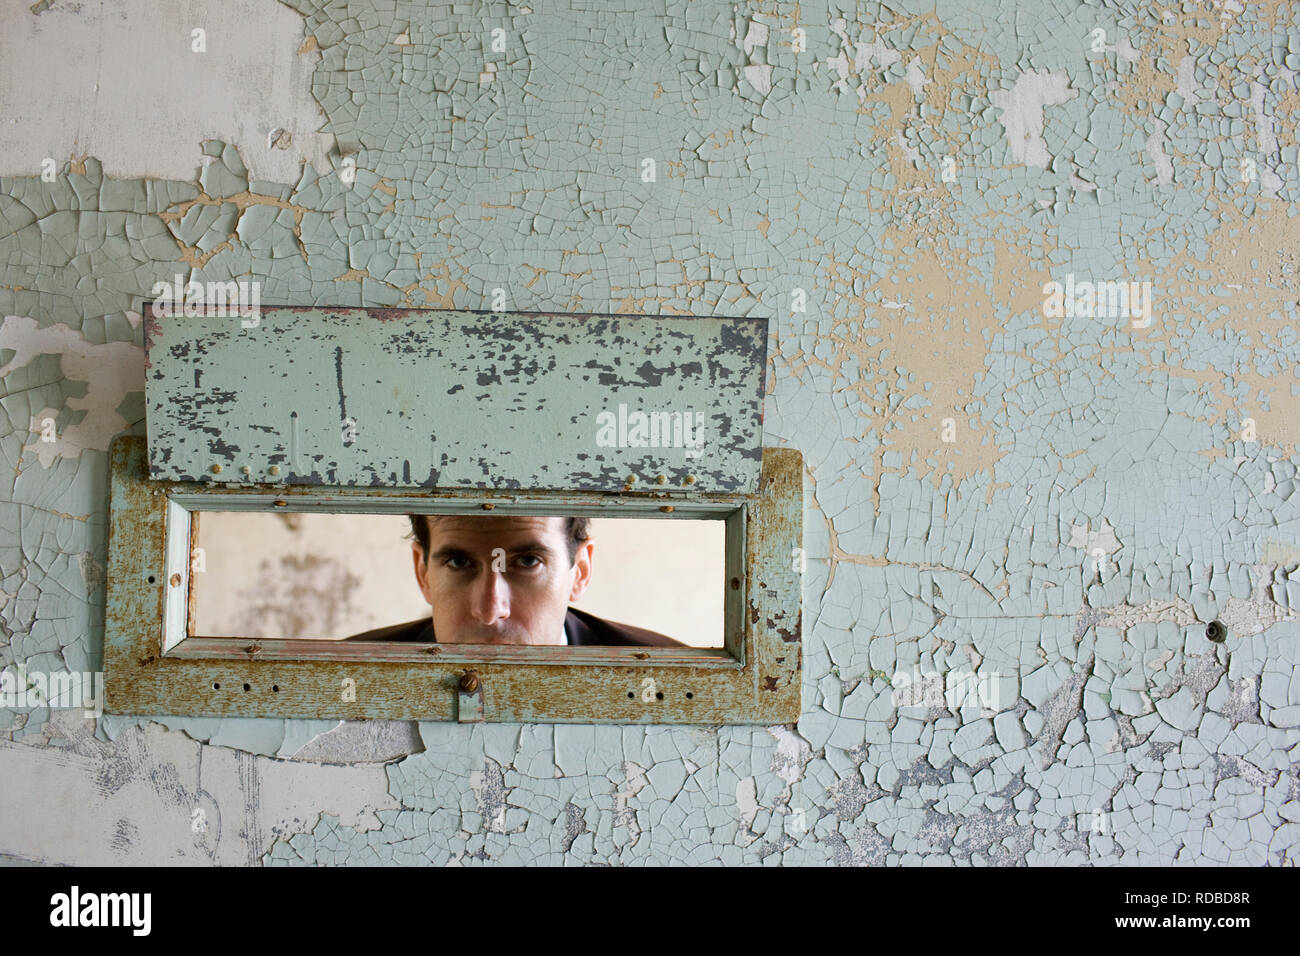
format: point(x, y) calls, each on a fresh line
point(582, 628)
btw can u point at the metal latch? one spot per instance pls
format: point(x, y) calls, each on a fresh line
point(469, 708)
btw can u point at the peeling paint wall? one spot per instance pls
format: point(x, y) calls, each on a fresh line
point(1024, 510)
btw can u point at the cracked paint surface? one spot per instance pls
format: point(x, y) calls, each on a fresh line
point(1053, 503)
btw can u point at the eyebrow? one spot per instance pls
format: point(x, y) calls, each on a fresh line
point(451, 551)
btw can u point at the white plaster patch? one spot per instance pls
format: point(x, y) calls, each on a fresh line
point(1022, 112)
point(1158, 153)
point(110, 372)
point(876, 50)
point(1265, 137)
point(150, 800)
point(1187, 80)
point(634, 781)
point(863, 55)
point(1125, 50)
point(792, 754)
point(911, 152)
point(362, 741)
point(1102, 540)
point(916, 77)
point(759, 76)
point(248, 81)
point(747, 800)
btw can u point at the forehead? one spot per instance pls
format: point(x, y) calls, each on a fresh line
point(503, 531)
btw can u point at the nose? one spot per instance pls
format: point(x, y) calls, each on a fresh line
point(491, 598)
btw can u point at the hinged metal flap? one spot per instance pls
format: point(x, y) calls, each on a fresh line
point(419, 398)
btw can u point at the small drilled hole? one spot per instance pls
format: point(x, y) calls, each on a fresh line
point(246, 687)
point(1216, 632)
point(659, 696)
point(630, 695)
point(275, 688)
point(735, 584)
point(152, 579)
point(216, 686)
point(689, 695)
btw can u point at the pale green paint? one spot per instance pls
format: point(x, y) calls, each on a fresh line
point(400, 398)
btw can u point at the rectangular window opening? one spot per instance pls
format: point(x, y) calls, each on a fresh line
point(505, 579)
point(312, 577)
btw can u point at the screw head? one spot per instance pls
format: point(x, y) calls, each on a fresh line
point(1214, 631)
point(216, 469)
point(469, 682)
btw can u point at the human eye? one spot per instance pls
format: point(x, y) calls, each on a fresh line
point(458, 562)
point(534, 561)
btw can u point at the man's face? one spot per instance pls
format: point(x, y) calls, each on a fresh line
point(500, 580)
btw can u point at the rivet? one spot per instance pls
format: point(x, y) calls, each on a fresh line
point(631, 479)
point(176, 580)
point(661, 480)
point(1214, 631)
point(216, 469)
point(690, 480)
point(488, 506)
point(281, 503)
point(666, 508)
point(246, 470)
point(469, 682)
point(274, 469)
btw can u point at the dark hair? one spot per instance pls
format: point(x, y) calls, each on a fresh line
point(576, 531)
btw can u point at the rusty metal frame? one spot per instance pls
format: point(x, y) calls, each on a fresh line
point(754, 679)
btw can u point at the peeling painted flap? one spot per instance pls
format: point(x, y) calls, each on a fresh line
point(417, 398)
